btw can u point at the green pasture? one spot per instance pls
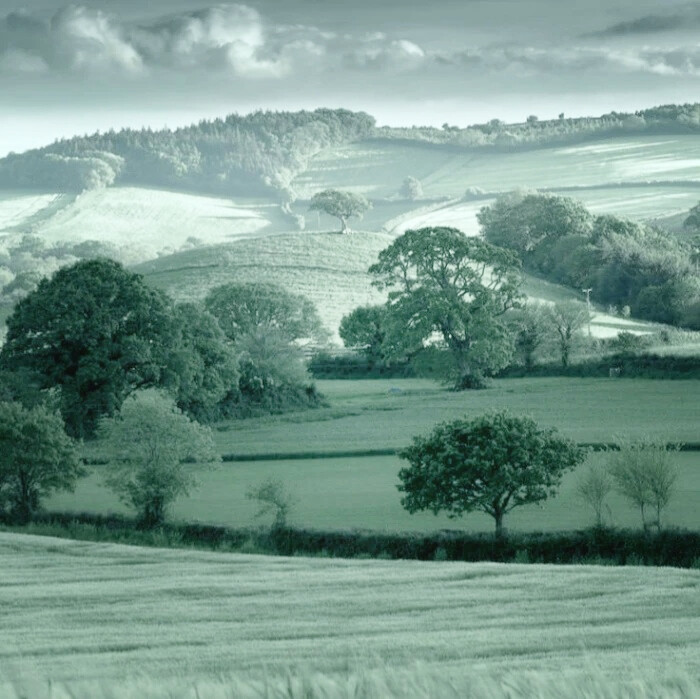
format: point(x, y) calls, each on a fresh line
point(360, 492)
point(106, 614)
point(364, 414)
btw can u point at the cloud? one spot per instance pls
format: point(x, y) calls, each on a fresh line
point(232, 38)
point(680, 20)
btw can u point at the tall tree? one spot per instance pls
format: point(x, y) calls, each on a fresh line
point(341, 205)
point(96, 331)
point(530, 327)
point(441, 281)
point(411, 188)
point(491, 464)
point(37, 458)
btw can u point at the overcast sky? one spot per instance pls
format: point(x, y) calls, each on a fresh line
point(67, 69)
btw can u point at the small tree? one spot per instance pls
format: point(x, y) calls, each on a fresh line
point(644, 474)
point(149, 441)
point(273, 498)
point(37, 458)
point(491, 464)
point(341, 205)
point(566, 319)
point(593, 488)
point(411, 188)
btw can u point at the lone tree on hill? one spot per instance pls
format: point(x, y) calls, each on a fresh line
point(36, 458)
point(150, 439)
point(441, 281)
point(95, 331)
point(491, 464)
point(342, 205)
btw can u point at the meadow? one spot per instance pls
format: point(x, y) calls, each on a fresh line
point(111, 616)
point(338, 492)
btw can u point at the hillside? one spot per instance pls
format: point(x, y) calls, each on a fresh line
point(187, 241)
point(105, 612)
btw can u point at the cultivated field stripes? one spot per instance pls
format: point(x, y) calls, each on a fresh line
point(72, 610)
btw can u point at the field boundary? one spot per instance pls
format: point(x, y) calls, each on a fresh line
point(389, 451)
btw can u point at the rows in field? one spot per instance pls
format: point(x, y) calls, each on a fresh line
point(73, 610)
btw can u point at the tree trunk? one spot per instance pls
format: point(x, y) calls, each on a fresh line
point(499, 524)
point(344, 223)
point(564, 355)
point(644, 521)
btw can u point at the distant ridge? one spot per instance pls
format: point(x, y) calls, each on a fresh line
point(261, 153)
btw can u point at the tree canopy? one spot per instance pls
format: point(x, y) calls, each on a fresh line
point(443, 282)
point(96, 331)
point(364, 329)
point(246, 308)
point(341, 205)
point(491, 464)
point(36, 458)
point(148, 441)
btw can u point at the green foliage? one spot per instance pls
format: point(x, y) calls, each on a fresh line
point(247, 308)
point(363, 330)
point(202, 365)
point(623, 262)
point(644, 474)
point(273, 498)
point(441, 281)
point(249, 154)
point(95, 331)
point(36, 458)
point(492, 464)
point(148, 442)
point(341, 205)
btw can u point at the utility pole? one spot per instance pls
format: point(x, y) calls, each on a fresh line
point(588, 306)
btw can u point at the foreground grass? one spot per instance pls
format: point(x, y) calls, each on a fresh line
point(79, 612)
point(386, 683)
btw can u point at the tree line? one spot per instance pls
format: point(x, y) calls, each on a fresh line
point(256, 154)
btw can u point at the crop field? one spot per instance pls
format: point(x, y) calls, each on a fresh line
point(328, 268)
point(16, 207)
point(104, 613)
point(377, 168)
point(350, 491)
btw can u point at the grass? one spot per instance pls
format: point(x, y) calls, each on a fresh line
point(360, 492)
point(378, 168)
point(94, 614)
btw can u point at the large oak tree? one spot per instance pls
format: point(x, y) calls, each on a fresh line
point(94, 330)
point(444, 284)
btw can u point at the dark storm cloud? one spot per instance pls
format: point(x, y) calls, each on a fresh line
point(684, 18)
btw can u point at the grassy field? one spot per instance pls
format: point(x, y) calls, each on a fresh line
point(347, 491)
point(104, 613)
point(377, 169)
point(360, 492)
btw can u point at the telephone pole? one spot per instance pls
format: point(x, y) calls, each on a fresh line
point(588, 306)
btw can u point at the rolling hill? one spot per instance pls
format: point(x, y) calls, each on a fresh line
point(186, 242)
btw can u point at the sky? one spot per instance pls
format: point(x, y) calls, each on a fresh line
point(69, 69)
